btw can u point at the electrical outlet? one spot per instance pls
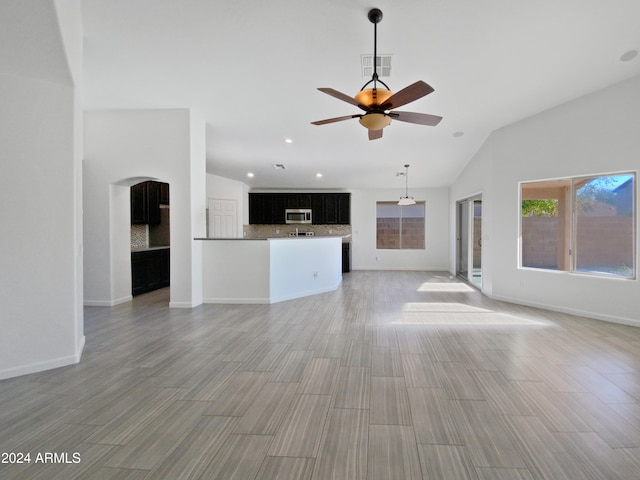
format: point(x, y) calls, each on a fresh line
point(315, 274)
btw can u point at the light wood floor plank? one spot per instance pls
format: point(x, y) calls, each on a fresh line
point(285, 468)
point(518, 393)
point(268, 409)
point(393, 453)
point(433, 416)
point(389, 402)
point(301, 431)
point(446, 461)
point(343, 451)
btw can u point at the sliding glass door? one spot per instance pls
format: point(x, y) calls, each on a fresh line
point(469, 240)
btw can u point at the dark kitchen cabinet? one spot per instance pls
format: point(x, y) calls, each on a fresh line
point(297, 200)
point(146, 198)
point(327, 208)
point(164, 194)
point(344, 208)
point(318, 209)
point(266, 208)
point(150, 270)
point(346, 257)
point(330, 208)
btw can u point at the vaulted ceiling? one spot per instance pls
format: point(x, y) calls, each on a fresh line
point(252, 69)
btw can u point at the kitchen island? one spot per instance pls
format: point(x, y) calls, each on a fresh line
point(270, 270)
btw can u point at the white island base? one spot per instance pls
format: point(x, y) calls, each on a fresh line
point(269, 270)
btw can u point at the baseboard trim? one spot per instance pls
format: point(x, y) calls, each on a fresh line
point(237, 301)
point(182, 305)
point(44, 365)
point(108, 303)
point(570, 311)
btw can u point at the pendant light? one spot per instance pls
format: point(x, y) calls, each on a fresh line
point(406, 200)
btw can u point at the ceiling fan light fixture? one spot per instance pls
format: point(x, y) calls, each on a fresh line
point(375, 121)
point(373, 97)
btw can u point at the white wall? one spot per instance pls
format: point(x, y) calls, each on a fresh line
point(270, 271)
point(123, 147)
point(304, 266)
point(594, 134)
point(363, 225)
point(40, 202)
point(477, 179)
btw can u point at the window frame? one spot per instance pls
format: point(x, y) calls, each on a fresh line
point(424, 224)
point(572, 221)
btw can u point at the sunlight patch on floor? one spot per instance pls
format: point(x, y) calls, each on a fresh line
point(441, 307)
point(445, 287)
point(415, 313)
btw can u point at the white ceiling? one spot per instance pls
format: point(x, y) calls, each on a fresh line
point(251, 68)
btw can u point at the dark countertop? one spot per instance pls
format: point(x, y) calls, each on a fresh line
point(148, 249)
point(345, 238)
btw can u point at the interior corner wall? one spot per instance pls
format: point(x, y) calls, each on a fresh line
point(120, 147)
point(365, 255)
point(41, 319)
point(594, 134)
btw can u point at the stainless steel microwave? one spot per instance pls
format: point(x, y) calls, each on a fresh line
point(297, 215)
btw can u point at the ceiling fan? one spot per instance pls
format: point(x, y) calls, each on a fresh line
point(377, 103)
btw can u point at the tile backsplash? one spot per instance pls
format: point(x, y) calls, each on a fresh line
point(139, 237)
point(274, 231)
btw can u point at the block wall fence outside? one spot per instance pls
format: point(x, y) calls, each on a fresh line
point(388, 230)
point(601, 241)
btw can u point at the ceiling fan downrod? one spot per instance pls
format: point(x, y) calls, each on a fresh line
point(375, 17)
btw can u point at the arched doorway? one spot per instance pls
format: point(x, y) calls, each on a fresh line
point(150, 236)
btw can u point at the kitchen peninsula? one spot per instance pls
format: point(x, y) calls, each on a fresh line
point(269, 270)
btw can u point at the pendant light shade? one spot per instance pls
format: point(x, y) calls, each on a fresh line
point(406, 199)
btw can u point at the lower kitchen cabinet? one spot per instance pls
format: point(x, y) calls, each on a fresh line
point(346, 257)
point(150, 270)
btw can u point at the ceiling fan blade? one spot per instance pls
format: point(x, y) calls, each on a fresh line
point(344, 97)
point(419, 118)
point(336, 119)
point(375, 134)
point(408, 94)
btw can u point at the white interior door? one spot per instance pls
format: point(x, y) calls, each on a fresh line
point(222, 218)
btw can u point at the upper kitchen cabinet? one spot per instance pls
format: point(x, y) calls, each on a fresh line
point(331, 208)
point(297, 200)
point(327, 208)
point(146, 198)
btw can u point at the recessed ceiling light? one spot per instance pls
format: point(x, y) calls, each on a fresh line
point(628, 56)
point(458, 134)
point(250, 175)
point(319, 175)
point(288, 140)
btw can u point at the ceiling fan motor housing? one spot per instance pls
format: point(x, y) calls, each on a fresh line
point(373, 97)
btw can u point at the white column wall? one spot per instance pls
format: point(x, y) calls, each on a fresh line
point(41, 243)
point(121, 148)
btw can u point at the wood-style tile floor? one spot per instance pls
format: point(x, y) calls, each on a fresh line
point(396, 375)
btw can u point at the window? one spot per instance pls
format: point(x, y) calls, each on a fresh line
point(582, 224)
point(399, 226)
